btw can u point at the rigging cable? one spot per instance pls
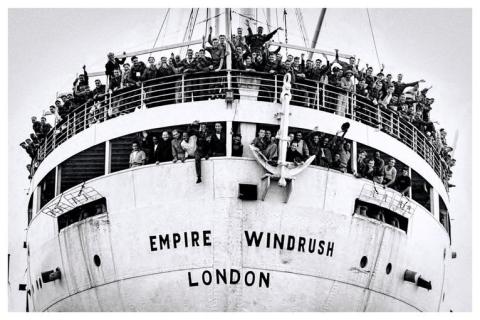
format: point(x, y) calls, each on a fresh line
point(207, 18)
point(266, 19)
point(251, 19)
point(373, 37)
point(278, 33)
point(301, 25)
point(285, 24)
point(161, 27)
point(187, 30)
point(191, 28)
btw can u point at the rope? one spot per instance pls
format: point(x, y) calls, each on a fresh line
point(301, 25)
point(218, 15)
point(207, 14)
point(278, 34)
point(190, 28)
point(373, 37)
point(187, 30)
point(161, 27)
point(252, 19)
point(266, 19)
point(285, 23)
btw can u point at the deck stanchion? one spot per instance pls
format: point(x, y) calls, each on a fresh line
point(414, 138)
point(68, 127)
point(318, 96)
point(276, 90)
point(142, 97)
point(105, 114)
point(85, 116)
point(229, 80)
point(323, 94)
point(183, 89)
point(74, 124)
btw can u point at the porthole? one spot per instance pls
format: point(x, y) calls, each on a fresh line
point(96, 260)
point(389, 268)
point(363, 262)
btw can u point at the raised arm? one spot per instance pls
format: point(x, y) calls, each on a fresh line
point(85, 73)
point(210, 36)
point(271, 34)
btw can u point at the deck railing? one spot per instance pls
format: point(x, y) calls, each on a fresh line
point(242, 85)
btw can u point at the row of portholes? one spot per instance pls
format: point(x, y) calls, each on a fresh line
point(364, 261)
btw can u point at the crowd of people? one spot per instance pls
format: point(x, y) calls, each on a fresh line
point(198, 142)
point(250, 53)
point(334, 153)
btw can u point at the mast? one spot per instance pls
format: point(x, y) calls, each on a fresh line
point(228, 35)
point(317, 30)
point(269, 19)
point(217, 21)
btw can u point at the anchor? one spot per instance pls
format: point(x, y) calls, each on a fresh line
point(284, 172)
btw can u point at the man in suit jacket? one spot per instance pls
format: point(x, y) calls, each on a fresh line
point(165, 148)
point(218, 142)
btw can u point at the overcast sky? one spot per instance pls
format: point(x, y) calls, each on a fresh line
point(47, 48)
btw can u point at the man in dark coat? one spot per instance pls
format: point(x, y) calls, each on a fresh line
point(113, 64)
point(218, 142)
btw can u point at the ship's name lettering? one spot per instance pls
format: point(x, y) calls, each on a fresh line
point(289, 242)
point(229, 276)
point(184, 239)
point(261, 239)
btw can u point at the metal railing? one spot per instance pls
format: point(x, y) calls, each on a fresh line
point(243, 85)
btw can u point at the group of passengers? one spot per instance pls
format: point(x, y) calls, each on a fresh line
point(334, 153)
point(196, 142)
point(249, 53)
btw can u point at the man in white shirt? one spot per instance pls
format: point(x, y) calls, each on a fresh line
point(189, 144)
point(137, 156)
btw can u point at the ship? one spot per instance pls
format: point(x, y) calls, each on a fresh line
point(254, 235)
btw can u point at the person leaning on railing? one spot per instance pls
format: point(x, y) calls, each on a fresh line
point(113, 64)
point(218, 55)
point(137, 156)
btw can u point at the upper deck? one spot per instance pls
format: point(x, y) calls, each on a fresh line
point(95, 141)
point(236, 86)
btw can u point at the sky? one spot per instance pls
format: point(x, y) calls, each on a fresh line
point(48, 47)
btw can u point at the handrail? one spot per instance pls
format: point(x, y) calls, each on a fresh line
point(179, 88)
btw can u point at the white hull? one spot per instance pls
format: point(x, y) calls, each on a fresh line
point(159, 200)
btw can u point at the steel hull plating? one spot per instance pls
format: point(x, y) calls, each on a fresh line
point(229, 267)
